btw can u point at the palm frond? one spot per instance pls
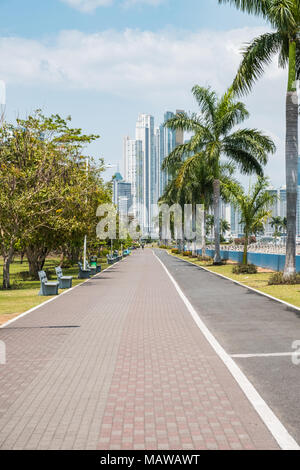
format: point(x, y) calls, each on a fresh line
point(207, 100)
point(256, 55)
point(257, 7)
point(175, 158)
point(281, 14)
point(185, 122)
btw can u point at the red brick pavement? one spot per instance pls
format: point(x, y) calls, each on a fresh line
point(169, 390)
point(128, 369)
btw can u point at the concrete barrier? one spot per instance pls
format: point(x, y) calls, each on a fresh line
point(264, 260)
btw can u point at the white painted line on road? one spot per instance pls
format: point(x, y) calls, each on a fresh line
point(246, 356)
point(54, 298)
point(279, 432)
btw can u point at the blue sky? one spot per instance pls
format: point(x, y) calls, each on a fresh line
point(104, 61)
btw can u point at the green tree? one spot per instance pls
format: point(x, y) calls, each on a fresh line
point(277, 223)
point(255, 208)
point(45, 202)
point(224, 226)
point(284, 18)
point(215, 136)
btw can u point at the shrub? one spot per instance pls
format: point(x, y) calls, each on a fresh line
point(187, 253)
point(205, 259)
point(175, 251)
point(241, 241)
point(163, 247)
point(277, 279)
point(244, 269)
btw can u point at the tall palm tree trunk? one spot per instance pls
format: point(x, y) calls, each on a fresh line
point(216, 185)
point(245, 255)
point(203, 233)
point(291, 165)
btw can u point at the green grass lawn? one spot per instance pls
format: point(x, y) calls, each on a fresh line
point(259, 281)
point(24, 294)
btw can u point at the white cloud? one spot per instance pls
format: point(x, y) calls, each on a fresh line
point(126, 62)
point(144, 2)
point(87, 6)
point(155, 69)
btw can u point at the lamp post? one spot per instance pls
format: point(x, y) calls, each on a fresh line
point(85, 237)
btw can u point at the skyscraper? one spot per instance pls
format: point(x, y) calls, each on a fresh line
point(166, 143)
point(132, 152)
point(143, 158)
point(146, 171)
point(122, 197)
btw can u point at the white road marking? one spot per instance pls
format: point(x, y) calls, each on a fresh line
point(279, 432)
point(246, 356)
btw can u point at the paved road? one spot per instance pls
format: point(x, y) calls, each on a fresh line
point(246, 323)
point(119, 363)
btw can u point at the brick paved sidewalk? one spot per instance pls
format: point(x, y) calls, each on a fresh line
point(118, 363)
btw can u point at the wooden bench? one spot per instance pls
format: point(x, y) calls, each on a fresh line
point(47, 288)
point(65, 282)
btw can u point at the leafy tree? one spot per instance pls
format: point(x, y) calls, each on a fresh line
point(255, 208)
point(284, 18)
point(277, 223)
point(224, 226)
point(215, 137)
point(48, 201)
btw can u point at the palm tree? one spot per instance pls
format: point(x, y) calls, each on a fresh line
point(210, 223)
point(284, 18)
point(224, 226)
point(255, 208)
point(214, 138)
point(277, 223)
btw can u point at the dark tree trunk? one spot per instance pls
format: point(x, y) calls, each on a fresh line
point(36, 258)
point(7, 260)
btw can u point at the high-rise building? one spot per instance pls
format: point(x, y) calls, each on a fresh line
point(122, 197)
point(165, 144)
point(146, 171)
point(143, 158)
point(132, 153)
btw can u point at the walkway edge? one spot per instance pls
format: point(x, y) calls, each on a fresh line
point(278, 431)
point(54, 298)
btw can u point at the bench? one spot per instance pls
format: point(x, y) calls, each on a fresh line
point(65, 282)
point(83, 273)
point(110, 259)
point(47, 288)
point(94, 265)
